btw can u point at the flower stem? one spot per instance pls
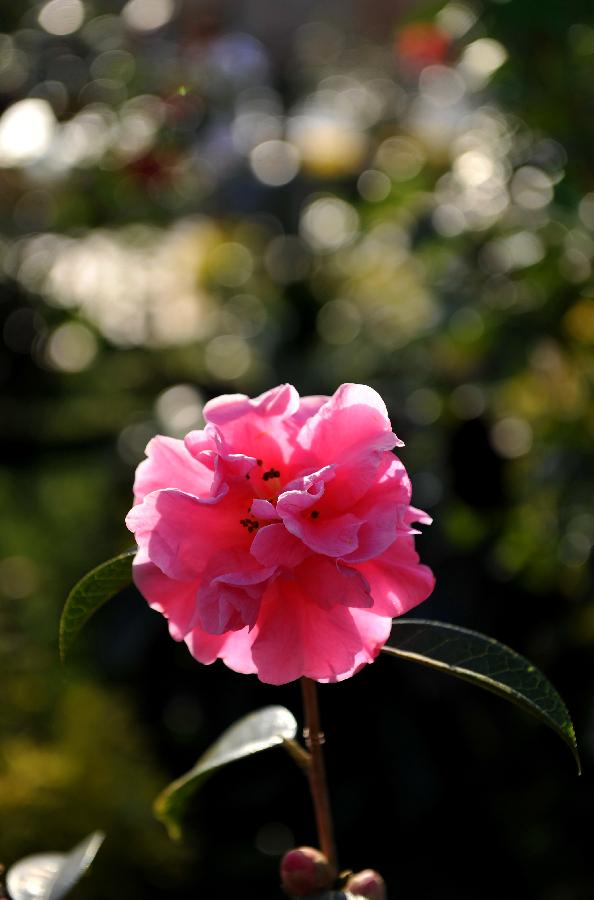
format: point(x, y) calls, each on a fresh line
point(316, 773)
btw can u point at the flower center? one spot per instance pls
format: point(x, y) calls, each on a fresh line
point(266, 486)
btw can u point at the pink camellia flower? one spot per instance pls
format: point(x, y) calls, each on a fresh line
point(279, 538)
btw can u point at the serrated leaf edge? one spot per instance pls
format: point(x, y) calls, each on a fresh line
point(491, 684)
point(67, 637)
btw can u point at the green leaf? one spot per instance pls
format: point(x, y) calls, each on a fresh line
point(260, 730)
point(486, 663)
point(90, 593)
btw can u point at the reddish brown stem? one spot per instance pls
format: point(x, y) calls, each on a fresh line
point(316, 773)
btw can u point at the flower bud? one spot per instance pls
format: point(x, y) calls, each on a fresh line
point(304, 871)
point(367, 884)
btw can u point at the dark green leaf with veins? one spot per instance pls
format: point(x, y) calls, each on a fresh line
point(90, 593)
point(486, 663)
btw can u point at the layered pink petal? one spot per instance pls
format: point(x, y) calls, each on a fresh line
point(176, 600)
point(263, 509)
point(234, 647)
point(296, 637)
point(353, 431)
point(336, 537)
point(374, 631)
point(261, 427)
point(230, 592)
point(279, 401)
point(316, 523)
point(169, 465)
point(179, 532)
point(229, 469)
point(354, 418)
point(397, 580)
point(329, 582)
point(275, 546)
point(412, 514)
point(383, 510)
point(308, 407)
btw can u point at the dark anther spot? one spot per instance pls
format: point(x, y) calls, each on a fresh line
point(250, 524)
point(314, 514)
point(258, 462)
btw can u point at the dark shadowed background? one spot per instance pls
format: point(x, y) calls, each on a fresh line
point(199, 198)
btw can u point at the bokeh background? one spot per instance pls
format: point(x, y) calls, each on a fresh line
point(203, 197)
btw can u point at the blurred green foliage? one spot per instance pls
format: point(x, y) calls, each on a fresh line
point(197, 199)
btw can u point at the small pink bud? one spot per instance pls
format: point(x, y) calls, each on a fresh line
point(304, 871)
point(368, 884)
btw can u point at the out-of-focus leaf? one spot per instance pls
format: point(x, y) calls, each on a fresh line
point(50, 876)
point(90, 593)
point(486, 663)
point(260, 730)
